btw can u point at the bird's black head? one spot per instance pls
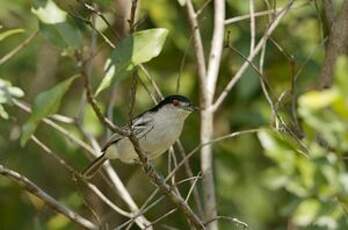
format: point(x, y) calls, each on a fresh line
point(177, 101)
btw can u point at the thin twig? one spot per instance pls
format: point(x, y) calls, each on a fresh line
point(189, 173)
point(116, 181)
point(251, 56)
point(76, 174)
point(211, 142)
point(46, 198)
point(256, 14)
point(231, 219)
point(21, 46)
point(96, 11)
point(202, 8)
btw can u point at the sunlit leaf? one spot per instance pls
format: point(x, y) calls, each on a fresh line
point(341, 72)
point(135, 49)
point(45, 104)
point(50, 13)
point(106, 81)
point(9, 33)
point(306, 212)
point(3, 113)
point(315, 100)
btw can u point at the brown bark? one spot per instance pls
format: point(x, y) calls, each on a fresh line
point(337, 45)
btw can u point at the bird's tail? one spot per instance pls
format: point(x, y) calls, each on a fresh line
point(91, 170)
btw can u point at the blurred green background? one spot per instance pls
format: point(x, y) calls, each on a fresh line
point(270, 180)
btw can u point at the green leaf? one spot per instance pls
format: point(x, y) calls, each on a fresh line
point(316, 100)
point(55, 26)
point(62, 34)
point(3, 113)
point(8, 33)
point(306, 212)
point(45, 104)
point(50, 13)
point(341, 71)
point(106, 82)
point(135, 49)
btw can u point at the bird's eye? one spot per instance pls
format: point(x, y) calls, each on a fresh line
point(175, 102)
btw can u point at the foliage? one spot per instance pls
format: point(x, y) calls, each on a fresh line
point(318, 181)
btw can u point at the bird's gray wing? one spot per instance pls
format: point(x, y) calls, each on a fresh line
point(140, 125)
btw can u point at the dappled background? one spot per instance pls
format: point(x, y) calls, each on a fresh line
point(281, 178)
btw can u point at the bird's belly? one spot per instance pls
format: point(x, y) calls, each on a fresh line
point(157, 142)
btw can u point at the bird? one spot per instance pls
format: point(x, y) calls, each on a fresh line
point(156, 130)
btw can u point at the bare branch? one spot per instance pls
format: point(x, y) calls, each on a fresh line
point(46, 198)
point(216, 48)
point(338, 43)
point(207, 115)
point(251, 56)
point(197, 43)
point(261, 13)
point(248, 16)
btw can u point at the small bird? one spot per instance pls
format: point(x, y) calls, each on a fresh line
point(156, 130)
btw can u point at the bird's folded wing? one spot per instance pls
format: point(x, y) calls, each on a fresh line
point(140, 126)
